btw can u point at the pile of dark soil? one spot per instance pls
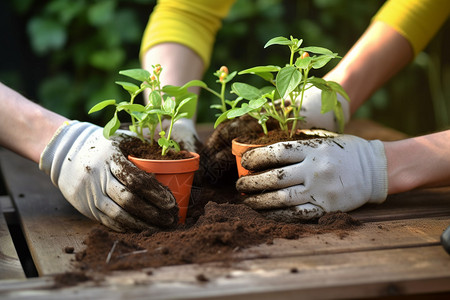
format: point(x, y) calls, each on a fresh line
point(221, 229)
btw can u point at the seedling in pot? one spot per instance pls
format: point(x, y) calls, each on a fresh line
point(163, 103)
point(282, 100)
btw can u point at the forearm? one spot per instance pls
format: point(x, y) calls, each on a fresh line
point(25, 127)
point(377, 56)
point(180, 64)
point(422, 161)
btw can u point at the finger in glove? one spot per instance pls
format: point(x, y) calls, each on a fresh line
point(146, 199)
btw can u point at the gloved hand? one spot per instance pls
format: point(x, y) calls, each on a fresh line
point(305, 179)
point(311, 106)
point(101, 183)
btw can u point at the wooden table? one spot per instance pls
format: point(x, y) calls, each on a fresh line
point(396, 252)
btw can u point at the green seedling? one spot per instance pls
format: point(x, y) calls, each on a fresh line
point(282, 99)
point(163, 103)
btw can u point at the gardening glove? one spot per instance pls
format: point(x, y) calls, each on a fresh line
point(311, 106)
point(102, 184)
point(217, 163)
point(305, 179)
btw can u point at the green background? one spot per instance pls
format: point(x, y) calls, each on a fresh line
point(66, 54)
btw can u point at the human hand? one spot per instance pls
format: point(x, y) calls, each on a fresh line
point(311, 110)
point(101, 183)
point(308, 178)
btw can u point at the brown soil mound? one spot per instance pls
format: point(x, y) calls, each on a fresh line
point(223, 229)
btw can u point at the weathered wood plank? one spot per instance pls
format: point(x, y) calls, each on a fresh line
point(10, 266)
point(370, 236)
point(366, 274)
point(414, 204)
point(48, 221)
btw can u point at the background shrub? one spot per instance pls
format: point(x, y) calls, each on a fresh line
point(67, 54)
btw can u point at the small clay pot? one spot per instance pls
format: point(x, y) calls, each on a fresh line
point(238, 149)
point(177, 175)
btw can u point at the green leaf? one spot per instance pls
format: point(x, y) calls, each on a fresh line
point(339, 113)
point(155, 99)
point(329, 101)
point(246, 91)
point(138, 74)
point(237, 112)
point(320, 61)
point(216, 106)
point(169, 105)
point(260, 69)
point(111, 127)
point(102, 105)
point(185, 101)
point(257, 103)
point(339, 89)
point(278, 41)
point(265, 72)
point(130, 87)
point(303, 63)
point(220, 119)
point(130, 107)
point(317, 50)
point(287, 80)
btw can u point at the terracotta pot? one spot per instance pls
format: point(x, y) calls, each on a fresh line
point(238, 149)
point(177, 175)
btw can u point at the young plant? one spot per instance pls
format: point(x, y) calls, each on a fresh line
point(283, 98)
point(163, 103)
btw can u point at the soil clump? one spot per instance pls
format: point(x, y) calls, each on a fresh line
point(213, 233)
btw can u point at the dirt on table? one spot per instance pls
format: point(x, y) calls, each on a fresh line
point(213, 233)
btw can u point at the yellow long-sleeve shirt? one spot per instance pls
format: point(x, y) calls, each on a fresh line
point(194, 23)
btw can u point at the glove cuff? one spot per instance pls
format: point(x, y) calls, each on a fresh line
point(379, 172)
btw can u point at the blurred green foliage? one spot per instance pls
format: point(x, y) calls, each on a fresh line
point(68, 53)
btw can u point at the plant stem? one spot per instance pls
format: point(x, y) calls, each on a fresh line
point(297, 109)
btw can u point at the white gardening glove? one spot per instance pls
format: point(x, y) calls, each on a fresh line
point(185, 134)
point(312, 103)
point(101, 183)
point(305, 179)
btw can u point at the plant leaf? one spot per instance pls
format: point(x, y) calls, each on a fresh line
point(320, 61)
point(329, 101)
point(246, 91)
point(220, 119)
point(130, 107)
point(303, 63)
point(111, 127)
point(138, 74)
point(240, 111)
point(287, 80)
point(128, 86)
point(338, 88)
point(278, 41)
point(102, 105)
point(317, 50)
point(169, 105)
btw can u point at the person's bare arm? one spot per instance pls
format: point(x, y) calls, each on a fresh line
point(377, 56)
point(180, 64)
point(418, 162)
point(25, 127)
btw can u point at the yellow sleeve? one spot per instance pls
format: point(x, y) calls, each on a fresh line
point(417, 20)
point(193, 23)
